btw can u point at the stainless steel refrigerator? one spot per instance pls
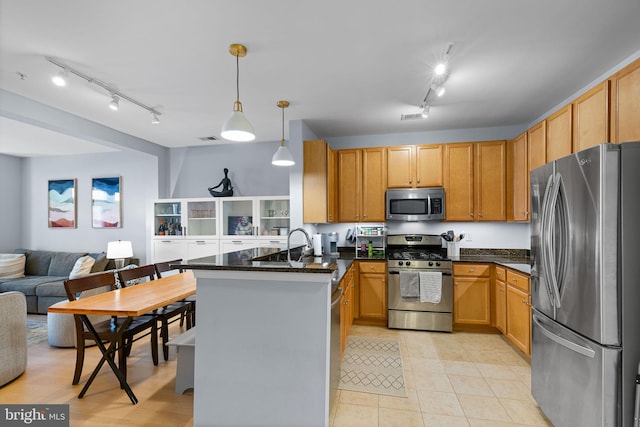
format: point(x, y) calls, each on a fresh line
point(585, 286)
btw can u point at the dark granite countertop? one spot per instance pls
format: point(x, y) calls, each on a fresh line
point(270, 259)
point(516, 259)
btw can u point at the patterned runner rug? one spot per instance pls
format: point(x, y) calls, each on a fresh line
point(372, 365)
point(36, 331)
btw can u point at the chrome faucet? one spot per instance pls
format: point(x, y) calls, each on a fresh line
point(306, 235)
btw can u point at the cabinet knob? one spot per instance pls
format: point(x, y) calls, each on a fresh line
point(471, 214)
point(471, 270)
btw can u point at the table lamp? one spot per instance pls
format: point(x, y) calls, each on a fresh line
point(118, 251)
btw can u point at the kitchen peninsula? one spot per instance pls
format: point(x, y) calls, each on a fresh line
point(266, 338)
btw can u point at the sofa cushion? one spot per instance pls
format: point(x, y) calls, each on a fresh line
point(101, 261)
point(82, 267)
point(52, 288)
point(12, 266)
point(37, 263)
point(62, 263)
point(27, 285)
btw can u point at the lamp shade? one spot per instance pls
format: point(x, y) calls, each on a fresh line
point(120, 249)
point(237, 128)
point(283, 157)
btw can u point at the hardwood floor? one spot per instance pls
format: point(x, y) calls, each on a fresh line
point(47, 380)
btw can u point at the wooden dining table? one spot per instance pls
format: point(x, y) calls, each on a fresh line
point(127, 302)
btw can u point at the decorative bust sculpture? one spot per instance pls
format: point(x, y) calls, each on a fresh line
point(227, 189)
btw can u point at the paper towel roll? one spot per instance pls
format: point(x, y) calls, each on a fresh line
point(317, 244)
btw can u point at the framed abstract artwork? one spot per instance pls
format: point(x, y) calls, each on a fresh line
point(62, 203)
point(106, 203)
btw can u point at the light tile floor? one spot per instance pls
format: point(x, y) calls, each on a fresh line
point(457, 379)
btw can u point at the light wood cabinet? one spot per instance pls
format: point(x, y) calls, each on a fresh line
point(471, 294)
point(374, 184)
point(346, 307)
point(501, 299)
point(362, 179)
point(319, 187)
point(372, 286)
point(518, 179)
point(537, 139)
point(350, 181)
point(519, 311)
point(458, 181)
point(559, 130)
point(491, 181)
point(475, 181)
point(625, 104)
point(414, 166)
point(591, 118)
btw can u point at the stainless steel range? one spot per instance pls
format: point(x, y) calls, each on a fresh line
point(420, 285)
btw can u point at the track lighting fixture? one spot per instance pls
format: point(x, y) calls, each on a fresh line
point(237, 127)
point(439, 76)
point(115, 102)
point(438, 90)
point(115, 95)
point(283, 156)
point(60, 78)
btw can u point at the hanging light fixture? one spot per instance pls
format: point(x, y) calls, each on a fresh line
point(283, 156)
point(237, 127)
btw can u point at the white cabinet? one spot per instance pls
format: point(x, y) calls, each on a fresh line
point(195, 228)
point(202, 247)
point(169, 249)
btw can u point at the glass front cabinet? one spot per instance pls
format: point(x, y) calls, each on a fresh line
point(194, 228)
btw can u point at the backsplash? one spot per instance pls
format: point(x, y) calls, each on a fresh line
point(508, 253)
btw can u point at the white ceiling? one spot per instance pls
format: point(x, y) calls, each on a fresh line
point(347, 67)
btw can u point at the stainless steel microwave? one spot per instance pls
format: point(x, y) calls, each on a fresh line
point(415, 204)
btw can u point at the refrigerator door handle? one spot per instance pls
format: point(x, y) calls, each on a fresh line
point(552, 238)
point(548, 223)
point(585, 351)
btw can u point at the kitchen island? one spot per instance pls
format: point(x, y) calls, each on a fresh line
point(265, 339)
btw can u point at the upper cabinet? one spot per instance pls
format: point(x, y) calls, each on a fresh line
point(254, 217)
point(319, 182)
point(374, 184)
point(414, 166)
point(537, 137)
point(491, 181)
point(559, 134)
point(362, 184)
point(518, 179)
point(625, 104)
point(350, 185)
point(591, 118)
point(475, 181)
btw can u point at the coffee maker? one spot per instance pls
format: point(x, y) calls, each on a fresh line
point(330, 243)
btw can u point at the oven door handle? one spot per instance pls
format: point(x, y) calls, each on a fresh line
point(394, 272)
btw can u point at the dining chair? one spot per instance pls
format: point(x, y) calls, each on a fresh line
point(163, 269)
point(107, 330)
point(165, 315)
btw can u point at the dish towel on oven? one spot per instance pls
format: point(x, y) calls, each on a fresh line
point(430, 286)
point(409, 284)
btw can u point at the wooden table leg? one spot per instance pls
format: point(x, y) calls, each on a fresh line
point(106, 357)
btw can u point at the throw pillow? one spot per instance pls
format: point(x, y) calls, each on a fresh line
point(101, 262)
point(12, 266)
point(82, 267)
point(131, 282)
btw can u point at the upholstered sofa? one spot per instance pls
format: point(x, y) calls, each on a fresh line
point(45, 273)
point(13, 336)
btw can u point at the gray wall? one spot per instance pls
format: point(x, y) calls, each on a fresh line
point(10, 212)
point(139, 174)
point(195, 169)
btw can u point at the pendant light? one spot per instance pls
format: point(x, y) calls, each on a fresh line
point(237, 127)
point(283, 156)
